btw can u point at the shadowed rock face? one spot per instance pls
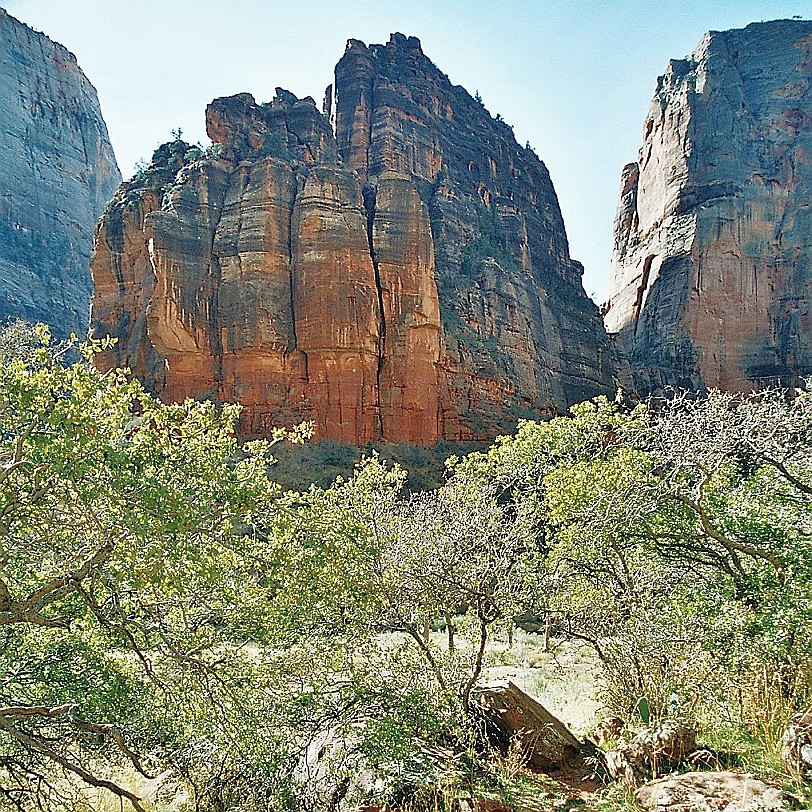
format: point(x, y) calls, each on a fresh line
point(393, 268)
point(712, 262)
point(57, 172)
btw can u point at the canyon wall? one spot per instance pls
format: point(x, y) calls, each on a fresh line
point(57, 173)
point(393, 267)
point(712, 261)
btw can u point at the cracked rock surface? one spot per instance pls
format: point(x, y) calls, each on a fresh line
point(712, 262)
point(393, 267)
point(710, 792)
point(57, 172)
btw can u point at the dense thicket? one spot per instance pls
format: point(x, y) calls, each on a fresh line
point(165, 607)
point(679, 542)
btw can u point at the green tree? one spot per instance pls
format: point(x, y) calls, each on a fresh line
point(165, 606)
point(678, 536)
point(127, 577)
point(366, 572)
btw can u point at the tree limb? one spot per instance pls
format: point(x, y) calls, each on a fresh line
point(729, 544)
point(17, 711)
point(88, 777)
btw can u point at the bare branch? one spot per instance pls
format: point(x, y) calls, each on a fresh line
point(731, 545)
point(17, 711)
point(43, 749)
point(30, 609)
point(118, 738)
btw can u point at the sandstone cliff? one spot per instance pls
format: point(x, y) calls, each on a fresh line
point(57, 172)
point(394, 267)
point(712, 262)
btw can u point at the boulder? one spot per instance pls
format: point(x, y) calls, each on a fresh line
point(651, 752)
point(514, 716)
point(710, 792)
point(796, 746)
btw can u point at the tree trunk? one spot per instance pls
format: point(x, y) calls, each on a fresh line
point(449, 627)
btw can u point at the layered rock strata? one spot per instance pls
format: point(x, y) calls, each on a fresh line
point(57, 173)
point(712, 262)
point(394, 267)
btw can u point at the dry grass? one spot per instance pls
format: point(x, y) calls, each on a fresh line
point(565, 679)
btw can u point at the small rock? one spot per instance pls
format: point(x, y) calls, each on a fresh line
point(490, 805)
point(705, 758)
point(607, 730)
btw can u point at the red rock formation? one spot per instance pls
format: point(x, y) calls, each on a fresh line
point(712, 265)
point(336, 306)
point(406, 279)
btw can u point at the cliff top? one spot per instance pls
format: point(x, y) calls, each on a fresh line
point(5, 17)
point(766, 27)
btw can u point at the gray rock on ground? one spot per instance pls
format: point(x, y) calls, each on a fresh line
point(710, 792)
point(651, 752)
point(796, 746)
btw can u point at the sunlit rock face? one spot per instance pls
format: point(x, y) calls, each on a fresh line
point(393, 267)
point(57, 172)
point(712, 260)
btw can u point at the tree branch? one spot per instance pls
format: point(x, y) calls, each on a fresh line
point(791, 478)
point(729, 544)
point(18, 711)
point(88, 777)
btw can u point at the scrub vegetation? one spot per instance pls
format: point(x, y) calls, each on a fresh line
point(181, 632)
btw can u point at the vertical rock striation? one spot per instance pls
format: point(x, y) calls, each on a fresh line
point(403, 276)
point(712, 262)
point(57, 172)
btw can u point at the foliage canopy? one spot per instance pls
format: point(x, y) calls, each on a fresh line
point(164, 606)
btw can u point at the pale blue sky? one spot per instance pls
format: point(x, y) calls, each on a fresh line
point(573, 78)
